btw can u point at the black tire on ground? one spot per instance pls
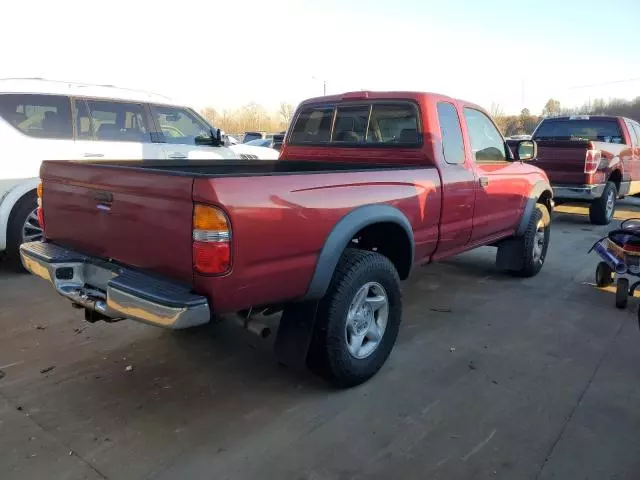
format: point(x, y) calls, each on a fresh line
point(622, 292)
point(601, 211)
point(538, 230)
point(329, 355)
point(604, 275)
point(21, 210)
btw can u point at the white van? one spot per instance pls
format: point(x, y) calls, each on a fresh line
point(51, 120)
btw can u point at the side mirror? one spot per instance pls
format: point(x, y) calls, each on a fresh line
point(526, 150)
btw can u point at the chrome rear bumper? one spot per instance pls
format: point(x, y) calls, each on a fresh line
point(578, 192)
point(114, 291)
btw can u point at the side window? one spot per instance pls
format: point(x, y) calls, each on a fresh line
point(452, 143)
point(41, 116)
point(634, 132)
point(393, 123)
point(486, 142)
point(313, 125)
point(351, 124)
point(118, 121)
point(180, 126)
point(83, 120)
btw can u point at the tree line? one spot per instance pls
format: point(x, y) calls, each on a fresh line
point(250, 117)
point(525, 122)
point(253, 117)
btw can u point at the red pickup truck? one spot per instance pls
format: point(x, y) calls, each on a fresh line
point(590, 158)
point(367, 186)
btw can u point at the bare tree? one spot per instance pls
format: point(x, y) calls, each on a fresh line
point(210, 115)
point(551, 108)
point(285, 113)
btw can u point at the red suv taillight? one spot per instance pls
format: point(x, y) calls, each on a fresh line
point(211, 240)
point(39, 211)
point(592, 159)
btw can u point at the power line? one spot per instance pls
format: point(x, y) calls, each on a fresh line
point(603, 83)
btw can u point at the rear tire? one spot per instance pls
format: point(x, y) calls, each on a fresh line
point(604, 275)
point(602, 209)
point(622, 292)
point(365, 288)
point(21, 216)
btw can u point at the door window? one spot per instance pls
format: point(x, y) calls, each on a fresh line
point(118, 121)
point(452, 143)
point(41, 116)
point(486, 142)
point(180, 126)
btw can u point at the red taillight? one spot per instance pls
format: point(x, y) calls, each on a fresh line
point(211, 240)
point(39, 212)
point(592, 159)
point(211, 258)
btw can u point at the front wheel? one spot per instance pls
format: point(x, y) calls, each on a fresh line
point(535, 242)
point(358, 319)
point(622, 292)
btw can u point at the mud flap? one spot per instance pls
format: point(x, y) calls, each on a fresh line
point(510, 254)
point(295, 333)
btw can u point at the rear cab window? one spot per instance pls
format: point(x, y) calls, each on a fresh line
point(358, 124)
point(40, 116)
point(580, 128)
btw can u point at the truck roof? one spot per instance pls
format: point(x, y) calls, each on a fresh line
point(384, 95)
point(58, 87)
point(585, 117)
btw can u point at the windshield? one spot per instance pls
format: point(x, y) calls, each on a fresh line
point(251, 136)
point(596, 129)
point(259, 142)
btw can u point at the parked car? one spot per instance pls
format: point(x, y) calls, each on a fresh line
point(274, 142)
point(42, 119)
point(592, 158)
point(324, 235)
point(251, 136)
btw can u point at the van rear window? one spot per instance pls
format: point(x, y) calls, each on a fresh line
point(362, 124)
point(584, 128)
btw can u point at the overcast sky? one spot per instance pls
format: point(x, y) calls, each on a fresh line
point(225, 54)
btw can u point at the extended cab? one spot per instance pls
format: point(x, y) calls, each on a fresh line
point(369, 184)
point(590, 158)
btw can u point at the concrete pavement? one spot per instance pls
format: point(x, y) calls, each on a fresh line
point(492, 377)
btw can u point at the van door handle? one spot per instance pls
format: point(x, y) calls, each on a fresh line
point(93, 155)
point(177, 156)
point(484, 181)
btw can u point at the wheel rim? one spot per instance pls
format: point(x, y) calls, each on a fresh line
point(611, 203)
point(366, 320)
point(31, 230)
point(538, 241)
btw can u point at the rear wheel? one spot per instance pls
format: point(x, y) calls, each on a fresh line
point(604, 275)
point(622, 292)
point(23, 227)
point(602, 209)
point(358, 319)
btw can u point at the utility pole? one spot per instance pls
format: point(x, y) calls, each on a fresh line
point(324, 88)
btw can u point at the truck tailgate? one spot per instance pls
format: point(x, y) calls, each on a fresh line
point(562, 160)
point(138, 218)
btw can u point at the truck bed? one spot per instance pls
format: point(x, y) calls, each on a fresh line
point(140, 215)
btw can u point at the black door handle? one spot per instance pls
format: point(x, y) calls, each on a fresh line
point(484, 181)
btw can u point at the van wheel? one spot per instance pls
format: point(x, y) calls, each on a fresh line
point(602, 209)
point(23, 227)
point(358, 319)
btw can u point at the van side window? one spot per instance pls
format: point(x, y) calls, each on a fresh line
point(180, 126)
point(41, 116)
point(452, 143)
point(118, 121)
point(486, 142)
point(83, 120)
point(393, 123)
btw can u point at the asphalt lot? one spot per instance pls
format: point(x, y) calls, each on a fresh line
point(492, 377)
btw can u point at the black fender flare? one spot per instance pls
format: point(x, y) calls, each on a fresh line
point(342, 234)
point(538, 189)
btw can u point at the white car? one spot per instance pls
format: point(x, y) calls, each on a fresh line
point(50, 120)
